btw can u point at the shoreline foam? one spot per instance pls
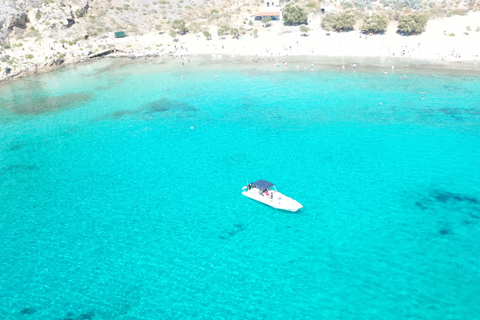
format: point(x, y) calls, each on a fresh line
point(320, 63)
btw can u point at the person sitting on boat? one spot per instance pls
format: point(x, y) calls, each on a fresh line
point(266, 192)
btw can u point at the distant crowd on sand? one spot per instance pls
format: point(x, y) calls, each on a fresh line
point(275, 43)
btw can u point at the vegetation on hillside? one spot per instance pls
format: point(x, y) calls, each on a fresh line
point(179, 25)
point(207, 35)
point(343, 21)
point(413, 23)
point(294, 15)
point(400, 4)
point(375, 23)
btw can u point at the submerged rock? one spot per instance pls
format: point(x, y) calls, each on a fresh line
point(28, 311)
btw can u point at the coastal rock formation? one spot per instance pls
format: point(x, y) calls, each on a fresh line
point(14, 14)
point(82, 9)
point(9, 20)
point(55, 62)
point(39, 15)
point(29, 28)
point(39, 34)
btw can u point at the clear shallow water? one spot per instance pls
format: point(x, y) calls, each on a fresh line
point(120, 193)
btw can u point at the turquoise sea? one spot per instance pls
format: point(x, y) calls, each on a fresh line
point(120, 192)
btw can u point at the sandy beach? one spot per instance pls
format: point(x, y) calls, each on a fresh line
point(445, 41)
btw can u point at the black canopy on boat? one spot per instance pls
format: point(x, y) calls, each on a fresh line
point(262, 184)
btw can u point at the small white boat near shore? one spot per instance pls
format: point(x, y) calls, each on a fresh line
point(265, 192)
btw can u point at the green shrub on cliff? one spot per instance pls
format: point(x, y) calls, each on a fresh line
point(180, 26)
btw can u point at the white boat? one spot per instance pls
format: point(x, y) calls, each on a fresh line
point(265, 192)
